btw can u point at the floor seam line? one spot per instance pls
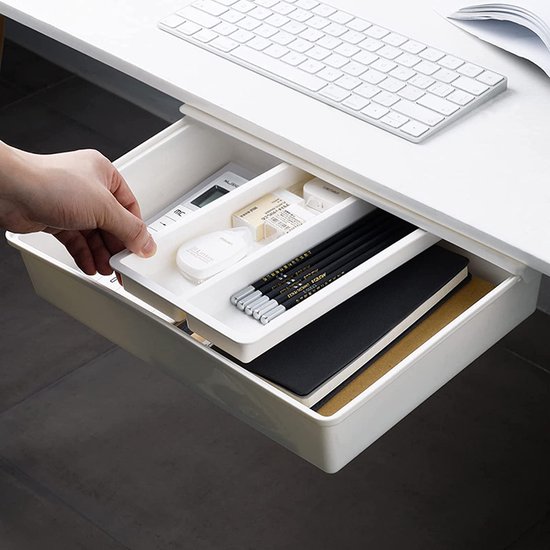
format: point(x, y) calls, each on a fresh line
point(53, 383)
point(42, 490)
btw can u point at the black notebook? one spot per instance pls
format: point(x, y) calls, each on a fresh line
point(317, 359)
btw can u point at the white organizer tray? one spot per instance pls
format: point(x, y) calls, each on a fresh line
point(209, 312)
point(328, 442)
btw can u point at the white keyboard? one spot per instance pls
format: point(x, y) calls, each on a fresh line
point(379, 76)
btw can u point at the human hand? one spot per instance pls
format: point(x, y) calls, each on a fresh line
point(79, 197)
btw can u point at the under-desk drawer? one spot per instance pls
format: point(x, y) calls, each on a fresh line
point(327, 439)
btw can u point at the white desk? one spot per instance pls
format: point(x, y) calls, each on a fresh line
point(486, 178)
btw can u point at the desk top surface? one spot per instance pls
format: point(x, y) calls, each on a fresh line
point(487, 176)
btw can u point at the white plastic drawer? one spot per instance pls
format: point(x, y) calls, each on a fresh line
point(329, 442)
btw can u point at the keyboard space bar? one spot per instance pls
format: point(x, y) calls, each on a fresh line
point(278, 68)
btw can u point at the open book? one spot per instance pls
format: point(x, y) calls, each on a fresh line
point(521, 27)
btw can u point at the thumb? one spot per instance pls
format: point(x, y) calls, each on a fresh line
point(129, 229)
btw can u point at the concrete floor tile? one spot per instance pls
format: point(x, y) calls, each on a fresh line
point(158, 467)
point(30, 519)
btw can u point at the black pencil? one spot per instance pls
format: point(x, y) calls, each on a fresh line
point(371, 217)
point(328, 276)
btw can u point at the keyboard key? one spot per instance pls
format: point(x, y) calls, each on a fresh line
point(487, 77)
point(244, 6)
point(275, 50)
point(394, 39)
point(395, 120)
point(205, 35)
point(365, 57)
point(330, 74)
point(367, 90)
point(224, 28)
point(431, 54)
point(300, 45)
point(386, 98)
point(241, 36)
point(358, 25)
point(347, 50)
point(412, 110)
point(341, 17)
point(188, 28)
point(259, 43)
point(460, 98)
point(469, 69)
point(224, 44)
point(413, 47)
point(329, 42)
point(375, 111)
point(336, 61)
point(375, 31)
point(355, 102)
point(312, 66)
point(335, 30)
point(451, 62)
point(283, 70)
point(232, 16)
point(353, 37)
point(307, 4)
point(227, 2)
point(318, 53)
point(426, 67)
point(260, 13)
point(438, 104)
point(294, 58)
point(283, 8)
point(267, 3)
point(402, 73)
point(371, 44)
point(249, 23)
point(199, 17)
point(266, 31)
point(389, 52)
point(469, 85)
point(408, 59)
point(312, 35)
point(383, 65)
point(411, 92)
point(392, 84)
point(421, 81)
point(440, 89)
point(282, 38)
point(445, 75)
point(373, 77)
point(414, 128)
point(348, 82)
point(301, 16)
point(318, 23)
point(354, 69)
point(277, 20)
point(211, 7)
point(323, 10)
point(334, 92)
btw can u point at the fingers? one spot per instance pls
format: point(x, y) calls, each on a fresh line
point(123, 193)
point(77, 246)
point(127, 228)
point(100, 252)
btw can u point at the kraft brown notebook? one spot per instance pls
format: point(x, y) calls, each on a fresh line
point(441, 316)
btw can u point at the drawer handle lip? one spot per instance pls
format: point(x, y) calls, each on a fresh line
point(409, 361)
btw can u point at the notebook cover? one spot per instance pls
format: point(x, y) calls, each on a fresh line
point(310, 357)
point(443, 314)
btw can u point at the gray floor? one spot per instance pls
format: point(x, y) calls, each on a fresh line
point(100, 451)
